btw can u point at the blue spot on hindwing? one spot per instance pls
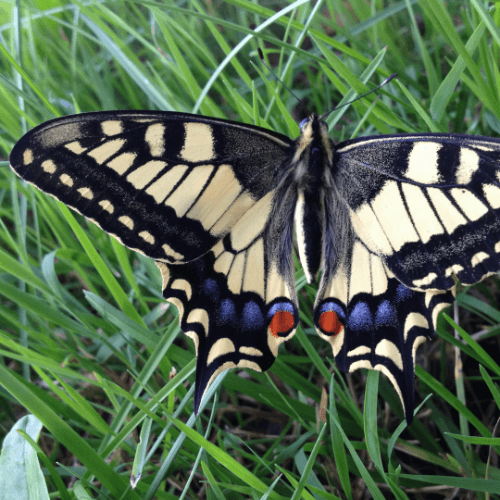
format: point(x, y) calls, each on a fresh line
point(227, 312)
point(385, 315)
point(333, 306)
point(252, 317)
point(279, 307)
point(403, 293)
point(360, 317)
point(210, 288)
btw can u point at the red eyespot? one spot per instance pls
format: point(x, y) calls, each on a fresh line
point(329, 322)
point(282, 322)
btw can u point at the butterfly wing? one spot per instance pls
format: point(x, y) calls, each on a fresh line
point(235, 305)
point(168, 185)
point(195, 194)
point(431, 205)
point(422, 210)
point(372, 320)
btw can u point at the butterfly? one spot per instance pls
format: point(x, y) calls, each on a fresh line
point(392, 221)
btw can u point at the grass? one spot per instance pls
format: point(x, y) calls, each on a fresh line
point(88, 345)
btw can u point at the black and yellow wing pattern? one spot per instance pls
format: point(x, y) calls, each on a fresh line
point(392, 222)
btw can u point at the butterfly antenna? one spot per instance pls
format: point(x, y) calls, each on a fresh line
point(387, 80)
point(276, 77)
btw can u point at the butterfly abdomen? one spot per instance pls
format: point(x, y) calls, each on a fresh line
point(308, 227)
point(310, 164)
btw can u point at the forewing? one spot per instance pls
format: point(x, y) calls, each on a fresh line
point(429, 205)
point(169, 185)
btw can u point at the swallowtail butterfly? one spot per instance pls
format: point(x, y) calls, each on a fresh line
point(392, 221)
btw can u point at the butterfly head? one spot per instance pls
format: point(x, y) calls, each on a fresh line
point(313, 147)
point(310, 125)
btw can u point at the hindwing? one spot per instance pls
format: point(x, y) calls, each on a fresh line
point(372, 320)
point(235, 305)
